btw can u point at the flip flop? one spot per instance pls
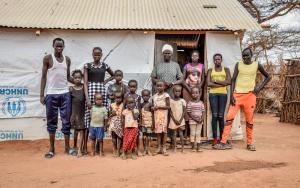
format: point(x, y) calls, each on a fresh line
point(72, 152)
point(49, 155)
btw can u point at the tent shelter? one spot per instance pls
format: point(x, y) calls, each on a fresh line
point(130, 32)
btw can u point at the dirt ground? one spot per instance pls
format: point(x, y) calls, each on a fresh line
point(276, 163)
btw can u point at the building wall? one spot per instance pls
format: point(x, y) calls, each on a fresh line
point(229, 46)
point(21, 57)
point(21, 54)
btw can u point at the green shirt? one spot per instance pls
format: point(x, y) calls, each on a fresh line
point(98, 115)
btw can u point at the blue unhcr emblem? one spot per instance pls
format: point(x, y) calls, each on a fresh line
point(13, 106)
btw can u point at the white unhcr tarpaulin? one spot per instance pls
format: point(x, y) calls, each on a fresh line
point(229, 46)
point(21, 57)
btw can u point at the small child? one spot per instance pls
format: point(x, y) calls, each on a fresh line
point(117, 86)
point(192, 80)
point(146, 120)
point(133, 85)
point(115, 125)
point(161, 102)
point(130, 124)
point(195, 110)
point(78, 110)
point(177, 112)
point(98, 123)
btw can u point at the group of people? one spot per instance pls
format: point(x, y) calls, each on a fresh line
point(173, 105)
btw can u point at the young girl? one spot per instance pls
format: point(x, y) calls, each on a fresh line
point(115, 127)
point(117, 86)
point(161, 101)
point(193, 74)
point(217, 80)
point(146, 120)
point(130, 124)
point(98, 123)
point(177, 113)
point(94, 81)
point(195, 109)
point(77, 116)
point(132, 85)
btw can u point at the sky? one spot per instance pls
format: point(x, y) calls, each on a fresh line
point(291, 20)
point(286, 22)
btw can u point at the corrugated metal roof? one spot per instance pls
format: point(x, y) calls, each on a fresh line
point(126, 14)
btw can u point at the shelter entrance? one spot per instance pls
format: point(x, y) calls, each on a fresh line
point(183, 45)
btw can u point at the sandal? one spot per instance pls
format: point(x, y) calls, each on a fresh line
point(219, 146)
point(49, 155)
point(199, 148)
point(251, 147)
point(72, 152)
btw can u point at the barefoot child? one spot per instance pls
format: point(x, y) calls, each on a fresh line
point(98, 123)
point(161, 101)
point(195, 109)
point(117, 86)
point(78, 105)
point(132, 85)
point(146, 120)
point(115, 126)
point(130, 123)
point(177, 112)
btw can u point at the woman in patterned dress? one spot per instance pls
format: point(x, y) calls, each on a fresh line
point(94, 81)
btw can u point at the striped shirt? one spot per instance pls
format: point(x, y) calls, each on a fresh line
point(195, 110)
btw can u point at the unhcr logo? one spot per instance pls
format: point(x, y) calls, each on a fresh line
point(11, 135)
point(13, 103)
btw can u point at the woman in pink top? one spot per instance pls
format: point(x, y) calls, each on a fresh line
point(193, 74)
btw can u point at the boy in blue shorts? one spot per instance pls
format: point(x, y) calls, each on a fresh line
point(99, 117)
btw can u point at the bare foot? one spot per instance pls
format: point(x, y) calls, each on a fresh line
point(159, 151)
point(79, 154)
point(149, 152)
point(124, 156)
point(133, 156)
point(101, 154)
point(139, 154)
point(116, 154)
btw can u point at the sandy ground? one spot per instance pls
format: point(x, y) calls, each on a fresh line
point(276, 163)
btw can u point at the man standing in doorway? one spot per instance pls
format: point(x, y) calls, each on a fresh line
point(243, 94)
point(56, 74)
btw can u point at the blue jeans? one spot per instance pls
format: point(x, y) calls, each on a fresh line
point(61, 103)
point(217, 104)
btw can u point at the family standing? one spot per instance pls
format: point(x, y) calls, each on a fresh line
point(131, 118)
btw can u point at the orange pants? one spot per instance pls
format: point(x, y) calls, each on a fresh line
point(247, 101)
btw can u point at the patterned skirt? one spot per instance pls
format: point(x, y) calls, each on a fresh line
point(130, 137)
point(116, 126)
point(94, 87)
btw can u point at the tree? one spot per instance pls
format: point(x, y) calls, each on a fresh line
point(268, 9)
point(273, 39)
